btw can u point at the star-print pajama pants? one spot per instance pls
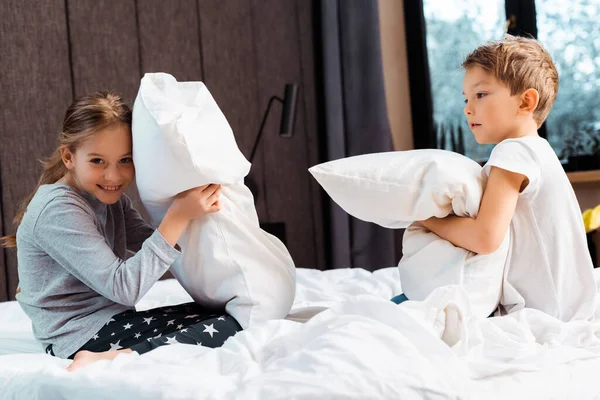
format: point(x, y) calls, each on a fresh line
point(142, 331)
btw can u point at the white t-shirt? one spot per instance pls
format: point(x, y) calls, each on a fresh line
point(549, 267)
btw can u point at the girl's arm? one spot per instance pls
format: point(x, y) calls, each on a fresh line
point(485, 233)
point(137, 229)
point(66, 231)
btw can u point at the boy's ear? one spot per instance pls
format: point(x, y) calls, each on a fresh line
point(67, 157)
point(529, 100)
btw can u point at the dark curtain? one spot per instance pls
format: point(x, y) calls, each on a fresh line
point(355, 119)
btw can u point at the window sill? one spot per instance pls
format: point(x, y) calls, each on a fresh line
point(584, 176)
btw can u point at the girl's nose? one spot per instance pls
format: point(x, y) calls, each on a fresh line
point(112, 174)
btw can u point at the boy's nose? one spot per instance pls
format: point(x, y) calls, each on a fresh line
point(468, 110)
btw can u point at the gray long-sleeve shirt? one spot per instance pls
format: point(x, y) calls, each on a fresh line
point(74, 273)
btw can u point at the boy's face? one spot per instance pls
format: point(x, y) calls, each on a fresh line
point(492, 113)
point(103, 165)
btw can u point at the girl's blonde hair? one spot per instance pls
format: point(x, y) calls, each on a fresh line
point(87, 115)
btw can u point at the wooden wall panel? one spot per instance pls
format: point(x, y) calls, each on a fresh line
point(169, 38)
point(104, 46)
point(36, 84)
point(229, 53)
point(278, 61)
point(3, 268)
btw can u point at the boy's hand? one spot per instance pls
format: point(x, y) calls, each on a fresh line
point(485, 233)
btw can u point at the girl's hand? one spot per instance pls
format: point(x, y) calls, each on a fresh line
point(197, 202)
point(189, 205)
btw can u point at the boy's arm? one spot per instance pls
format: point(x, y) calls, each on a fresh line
point(485, 233)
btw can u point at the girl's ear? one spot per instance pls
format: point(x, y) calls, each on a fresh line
point(67, 157)
point(529, 100)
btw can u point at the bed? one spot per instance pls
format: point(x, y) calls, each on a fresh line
point(343, 339)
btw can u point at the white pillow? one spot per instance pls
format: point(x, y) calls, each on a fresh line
point(394, 189)
point(182, 140)
point(430, 262)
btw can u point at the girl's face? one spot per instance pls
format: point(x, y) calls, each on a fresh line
point(102, 165)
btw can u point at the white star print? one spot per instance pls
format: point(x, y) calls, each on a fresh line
point(171, 322)
point(137, 335)
point(199, 344)
point(155, 330)
point(172, 340)
point(179, 326)
point(115, 346)
point(210, 329)
point(112, 334)
point(148, 320)
point(183, 330)
point(157, 336)
point(127, 326)
point(192, 316)
point(221, 319)
point(110, 320)
point(95, 336)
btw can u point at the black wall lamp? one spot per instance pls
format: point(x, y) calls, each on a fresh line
point(286, 127)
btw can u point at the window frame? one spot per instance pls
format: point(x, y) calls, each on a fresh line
point(521, 20)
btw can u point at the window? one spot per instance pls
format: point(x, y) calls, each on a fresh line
point(569, 30)
point(441, 33)
point(453, 30)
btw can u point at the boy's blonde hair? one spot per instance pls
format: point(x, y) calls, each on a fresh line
point(520, 63)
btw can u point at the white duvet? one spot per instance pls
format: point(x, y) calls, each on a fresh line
point(360, 346)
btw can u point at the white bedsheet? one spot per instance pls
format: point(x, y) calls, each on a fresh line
point(361, 346)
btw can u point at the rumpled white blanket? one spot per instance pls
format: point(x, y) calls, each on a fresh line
point(359, 346)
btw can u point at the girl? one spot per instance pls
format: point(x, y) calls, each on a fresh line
point(75, 232)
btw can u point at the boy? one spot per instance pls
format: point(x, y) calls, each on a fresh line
point(509, 88)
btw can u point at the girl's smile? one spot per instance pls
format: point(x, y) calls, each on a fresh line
point(102, 166)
